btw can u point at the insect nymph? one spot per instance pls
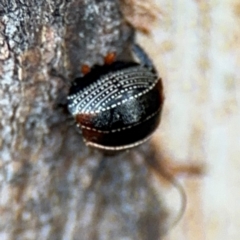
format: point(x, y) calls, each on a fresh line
point(118, 105)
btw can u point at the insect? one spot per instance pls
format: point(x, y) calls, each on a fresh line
point(118, 105)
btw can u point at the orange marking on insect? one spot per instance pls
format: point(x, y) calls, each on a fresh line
point(110, 58)
point(85, 69)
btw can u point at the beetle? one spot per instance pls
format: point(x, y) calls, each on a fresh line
point(118, 105)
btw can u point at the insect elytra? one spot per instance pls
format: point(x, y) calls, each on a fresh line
point(109, 91)
point(117, 105)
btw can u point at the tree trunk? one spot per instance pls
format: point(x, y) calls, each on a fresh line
point(52, 185)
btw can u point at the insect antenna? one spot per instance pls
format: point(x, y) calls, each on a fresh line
point(161, 171)
point(142, 56)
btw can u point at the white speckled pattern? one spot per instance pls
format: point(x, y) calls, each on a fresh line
point(111, 89)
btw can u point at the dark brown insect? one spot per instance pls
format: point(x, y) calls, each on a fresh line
point(117, 105)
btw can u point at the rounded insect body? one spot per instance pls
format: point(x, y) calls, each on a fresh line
point(117, 106)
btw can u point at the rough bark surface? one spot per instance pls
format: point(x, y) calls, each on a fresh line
point(45, 167)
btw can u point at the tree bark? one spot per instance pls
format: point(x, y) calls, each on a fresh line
point(46, 170)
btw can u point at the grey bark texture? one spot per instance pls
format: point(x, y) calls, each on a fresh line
point(46, 169)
